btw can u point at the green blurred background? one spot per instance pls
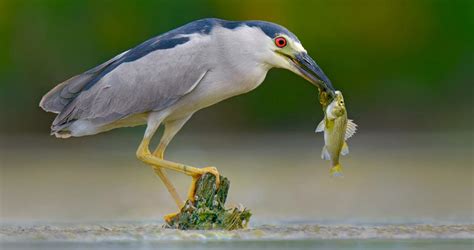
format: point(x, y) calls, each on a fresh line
point(402, 65)
point(405, 68)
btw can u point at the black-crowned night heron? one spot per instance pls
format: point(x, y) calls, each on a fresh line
point(166, 79)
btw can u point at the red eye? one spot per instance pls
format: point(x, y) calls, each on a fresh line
point(280, 42)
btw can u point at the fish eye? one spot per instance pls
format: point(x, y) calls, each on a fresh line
point(280, 42)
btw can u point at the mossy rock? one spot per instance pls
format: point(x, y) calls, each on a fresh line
point(208, 210)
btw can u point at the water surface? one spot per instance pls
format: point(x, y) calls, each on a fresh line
point(400, 191)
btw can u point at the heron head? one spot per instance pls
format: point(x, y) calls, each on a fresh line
point(287, 52)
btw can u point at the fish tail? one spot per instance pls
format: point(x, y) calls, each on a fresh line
point(336, 171)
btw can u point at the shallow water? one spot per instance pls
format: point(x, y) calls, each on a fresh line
point(131, 232)
point(400, 191)
point(256, 244)
point(149, 236)
point(389, 178)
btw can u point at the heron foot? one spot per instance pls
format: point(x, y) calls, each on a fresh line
point(196, 176)
point(169, 217)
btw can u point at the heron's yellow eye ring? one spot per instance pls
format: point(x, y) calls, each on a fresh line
point(280, 42)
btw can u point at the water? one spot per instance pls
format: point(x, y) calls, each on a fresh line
point(282, 236)
point(256, 244)
point(400, 191)
point(388, 178)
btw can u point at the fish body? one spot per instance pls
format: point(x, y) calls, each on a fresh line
point(337, 129)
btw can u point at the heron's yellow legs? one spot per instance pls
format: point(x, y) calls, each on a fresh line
point(160, 152)
point(158, 163)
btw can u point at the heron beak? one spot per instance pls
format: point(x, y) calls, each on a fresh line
point(313, 73)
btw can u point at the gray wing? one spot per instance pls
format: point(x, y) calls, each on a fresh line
point(148, 83)
point(61, 95)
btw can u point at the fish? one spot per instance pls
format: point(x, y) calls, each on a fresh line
point(337, 129)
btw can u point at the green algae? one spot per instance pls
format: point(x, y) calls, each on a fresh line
point(208, 209)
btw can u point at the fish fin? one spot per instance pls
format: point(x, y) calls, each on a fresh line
point(351, 129)
point(321, 126)
point(325, 154)
point(345, 149)
point(336, 171)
